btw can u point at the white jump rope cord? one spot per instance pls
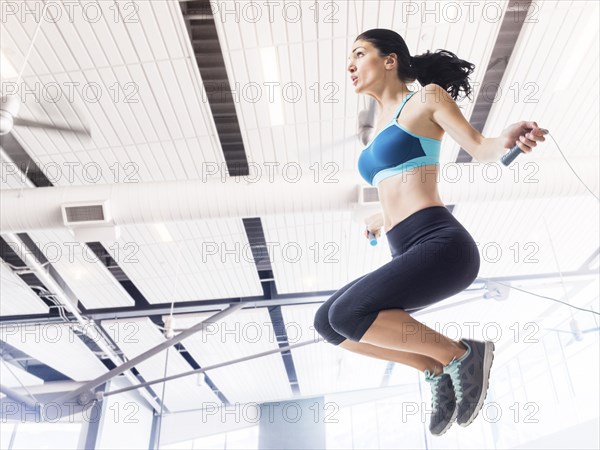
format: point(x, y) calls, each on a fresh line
point(542, 296)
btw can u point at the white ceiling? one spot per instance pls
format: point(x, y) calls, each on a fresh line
point(168, 135)
point(192, 264)
point(82, 270)
point(17, 297)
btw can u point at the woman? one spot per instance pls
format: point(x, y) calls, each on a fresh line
point(433, 255)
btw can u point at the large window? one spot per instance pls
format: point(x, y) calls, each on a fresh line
point(32, 435)
point(246, 438)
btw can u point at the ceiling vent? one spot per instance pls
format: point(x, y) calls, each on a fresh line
point(367, 195)
point(86, 213)
point(90, 221)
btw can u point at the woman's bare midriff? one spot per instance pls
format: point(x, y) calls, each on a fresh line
point(408, 192)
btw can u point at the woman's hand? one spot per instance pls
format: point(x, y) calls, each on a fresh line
point(374, 224)
point(525, 134)
point(376, 232)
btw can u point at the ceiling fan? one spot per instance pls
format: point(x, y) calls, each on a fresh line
point(10, 105)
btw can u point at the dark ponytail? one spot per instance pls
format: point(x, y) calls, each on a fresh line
point(443, 67)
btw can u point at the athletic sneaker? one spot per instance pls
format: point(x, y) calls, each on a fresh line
point(443, 402)
point(470, 375)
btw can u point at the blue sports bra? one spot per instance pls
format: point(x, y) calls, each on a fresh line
point(394, 150)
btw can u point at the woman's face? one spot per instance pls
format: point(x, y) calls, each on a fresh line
point(366, 67)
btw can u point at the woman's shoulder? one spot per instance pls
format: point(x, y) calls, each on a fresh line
point(432, 97)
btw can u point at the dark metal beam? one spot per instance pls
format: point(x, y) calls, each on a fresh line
point(277, 300)
point(200, 23)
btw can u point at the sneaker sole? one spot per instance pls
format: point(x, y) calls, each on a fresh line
point(450, 422)
point(488, 359)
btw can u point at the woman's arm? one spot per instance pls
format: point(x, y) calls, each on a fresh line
point(445, 112)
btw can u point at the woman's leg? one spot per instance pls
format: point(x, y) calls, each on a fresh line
point(419, 362)
point(411, 359)
point(396, 329)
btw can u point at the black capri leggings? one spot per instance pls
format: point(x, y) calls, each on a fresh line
point(433, 258)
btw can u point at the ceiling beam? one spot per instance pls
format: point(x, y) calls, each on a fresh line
point(259, 302)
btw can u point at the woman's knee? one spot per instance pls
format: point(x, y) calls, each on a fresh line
point(322, 319)
point(341, 319)
point(324, 328)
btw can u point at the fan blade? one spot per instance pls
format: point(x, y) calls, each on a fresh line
point(48, 126)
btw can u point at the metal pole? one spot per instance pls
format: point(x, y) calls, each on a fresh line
point(86, 388)
point(215, 366)
point(18, 397)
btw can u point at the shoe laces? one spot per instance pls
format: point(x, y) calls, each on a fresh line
point(433, 380)
point(453, 369)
